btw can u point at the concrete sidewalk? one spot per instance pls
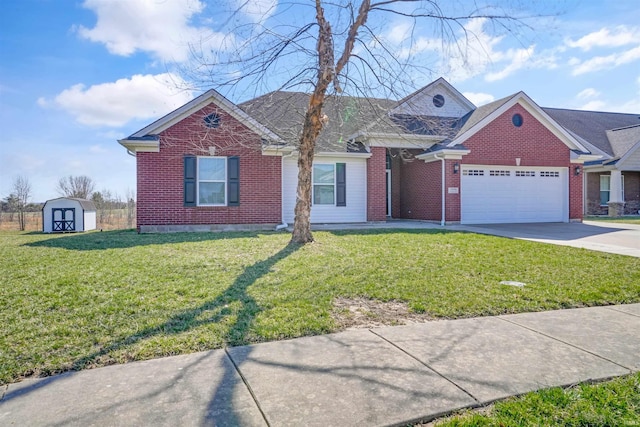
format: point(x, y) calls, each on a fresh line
point(384, 376)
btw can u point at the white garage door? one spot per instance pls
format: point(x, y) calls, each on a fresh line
point(502, 194)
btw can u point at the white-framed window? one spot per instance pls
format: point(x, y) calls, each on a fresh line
point(605, 189)
point(212, 181)
point(324, 184)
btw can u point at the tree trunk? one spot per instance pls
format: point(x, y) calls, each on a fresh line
point(314, 119)
point(312, 126)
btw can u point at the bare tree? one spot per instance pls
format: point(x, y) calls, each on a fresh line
point(131, 207)
point(22, 194)
point(330, 50)
point(76, 186)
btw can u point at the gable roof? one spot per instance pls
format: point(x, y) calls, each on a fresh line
point(482, 116)
point(593, 126)
point(622, 140)
point(283, 113)
point(146, 138)
point(278, 117)
point(415, 103)
point(86, 204)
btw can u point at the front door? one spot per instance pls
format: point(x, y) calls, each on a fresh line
point(64, 219)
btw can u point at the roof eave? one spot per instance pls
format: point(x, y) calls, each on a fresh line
point(139, 146)
point(446, 154)
point(395, 140)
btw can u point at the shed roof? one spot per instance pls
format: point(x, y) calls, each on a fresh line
point(86, 204)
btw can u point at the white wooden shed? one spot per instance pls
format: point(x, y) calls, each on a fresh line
point(67, 215)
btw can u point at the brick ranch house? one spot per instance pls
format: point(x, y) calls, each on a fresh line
point(215, 165)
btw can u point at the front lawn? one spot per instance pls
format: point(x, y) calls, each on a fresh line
point(86, 300)
point(612, 403)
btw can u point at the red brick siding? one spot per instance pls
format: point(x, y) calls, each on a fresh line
point(500, 143)
point(420, 192)
point(160, 175)
point(631, 192)
point(376, 185)
point(452, 202)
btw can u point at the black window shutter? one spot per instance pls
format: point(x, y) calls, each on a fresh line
point(341, 184)
point(190, 180)
point(233, 181)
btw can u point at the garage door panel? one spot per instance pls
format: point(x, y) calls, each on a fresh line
point(495, 194)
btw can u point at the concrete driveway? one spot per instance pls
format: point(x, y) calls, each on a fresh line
point(623, 239)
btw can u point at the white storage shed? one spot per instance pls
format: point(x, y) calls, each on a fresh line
point(68, 215)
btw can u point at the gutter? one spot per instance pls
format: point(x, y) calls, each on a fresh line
point(284, 223)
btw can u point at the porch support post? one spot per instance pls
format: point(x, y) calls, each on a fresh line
point(616, 203)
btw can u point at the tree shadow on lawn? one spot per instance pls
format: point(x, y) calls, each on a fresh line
point(219, 309)
point(119, 239)
point(382, 231)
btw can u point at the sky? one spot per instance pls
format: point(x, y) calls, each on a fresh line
point(77, 75)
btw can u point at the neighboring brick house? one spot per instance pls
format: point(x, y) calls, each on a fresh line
point(434, 156)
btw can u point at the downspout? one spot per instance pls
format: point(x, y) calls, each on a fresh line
point(284, 223)
point(442, 222)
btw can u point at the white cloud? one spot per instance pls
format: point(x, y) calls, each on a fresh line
point(631, 106)
point(257, 10)
point(588, 93)
point(161, 28)
point(479, 98)
point(595, 105)
point(605, 38)
point(520, 58)
point(606, 62)
point(473, 53)
point(115, 104)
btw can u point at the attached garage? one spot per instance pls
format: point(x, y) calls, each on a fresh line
point(505, 194)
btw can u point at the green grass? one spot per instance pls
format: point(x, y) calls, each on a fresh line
point(76, 301)
point(613, 403)
point(627, 219)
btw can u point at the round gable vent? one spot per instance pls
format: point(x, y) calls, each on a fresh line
point(212, 120)
point(438, 100)
point(517, 120)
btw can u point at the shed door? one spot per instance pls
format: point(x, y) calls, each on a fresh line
point(64, 219)
point(506, 194)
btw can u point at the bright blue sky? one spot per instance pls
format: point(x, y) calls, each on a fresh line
point(76, 75)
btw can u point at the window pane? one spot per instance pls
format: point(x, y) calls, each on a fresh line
point(605, 182)
point(323, 174)
point(211, 193)
point(211, 169)
point(323, 194)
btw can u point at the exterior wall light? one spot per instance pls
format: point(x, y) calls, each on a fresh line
point(456, 167)
point(577, 170)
